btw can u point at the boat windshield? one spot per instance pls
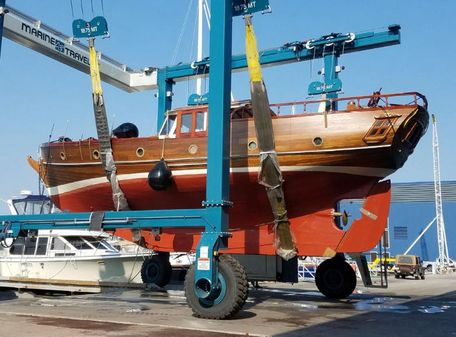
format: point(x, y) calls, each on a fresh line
point(58, 244)
point(33, 204)
point(169, 127)
point(98, 243)
point(77, 242)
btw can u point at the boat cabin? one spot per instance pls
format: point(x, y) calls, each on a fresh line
point(49, 244)
point(192, 121)
point(31, 204)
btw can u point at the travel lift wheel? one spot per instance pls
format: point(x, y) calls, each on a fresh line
point(335, 278)
point(157, 269)
point(230, 296)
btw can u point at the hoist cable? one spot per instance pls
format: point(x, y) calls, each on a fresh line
point(82, 9)
point(333, 57)
point(208, 13)
point(102, 7)
point(72, 9)
point(311, 63)
point(190, 57)
point(179, 40)
point(91, 5)
point(323, 59)
point(195, 26)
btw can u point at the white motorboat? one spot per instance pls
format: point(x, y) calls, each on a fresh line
point(73, 260)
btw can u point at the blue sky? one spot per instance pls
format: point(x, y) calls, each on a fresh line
point(37, 92)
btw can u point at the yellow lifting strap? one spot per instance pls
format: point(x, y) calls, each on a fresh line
point(95, 71)
point(253, 59)
point(269, 175)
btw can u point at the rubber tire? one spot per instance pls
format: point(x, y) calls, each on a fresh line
point(181, 274)
point(236, 291)
point(335, 278)
point(396, 276)
point(156, 269)
point(422, 276)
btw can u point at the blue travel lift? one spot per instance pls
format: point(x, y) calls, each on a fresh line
point(217, 286)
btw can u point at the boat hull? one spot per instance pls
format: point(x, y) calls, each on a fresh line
point(87, 271)
point(312, 198)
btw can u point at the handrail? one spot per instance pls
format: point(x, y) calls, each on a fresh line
point(386, 98)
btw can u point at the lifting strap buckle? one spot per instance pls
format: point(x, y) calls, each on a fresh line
point(96, 221)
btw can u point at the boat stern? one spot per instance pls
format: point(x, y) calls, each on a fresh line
point(409, 134)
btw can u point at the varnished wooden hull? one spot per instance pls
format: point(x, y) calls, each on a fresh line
point(347, 163)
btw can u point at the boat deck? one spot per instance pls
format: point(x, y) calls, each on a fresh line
point(408, 307)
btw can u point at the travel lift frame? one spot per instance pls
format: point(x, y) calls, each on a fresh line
point(215, 292)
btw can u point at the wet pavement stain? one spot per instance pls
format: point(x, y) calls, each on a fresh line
point(79, 324)
point(172, 332)
point(433, 309)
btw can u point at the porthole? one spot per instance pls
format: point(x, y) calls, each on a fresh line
point(96, 154)
point(252, 145)
point(139, 152)
point(62, 155)
point(192, 149)
point(317, 141)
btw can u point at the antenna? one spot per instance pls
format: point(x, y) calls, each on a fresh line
point(444, 263)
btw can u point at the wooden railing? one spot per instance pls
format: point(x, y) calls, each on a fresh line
point(352, 103)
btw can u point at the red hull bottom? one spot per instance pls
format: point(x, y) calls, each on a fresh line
point(311, 198)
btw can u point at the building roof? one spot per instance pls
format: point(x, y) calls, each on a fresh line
point(422, 192)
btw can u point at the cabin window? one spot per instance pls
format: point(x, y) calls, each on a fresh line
point(41, 247)
point(30, 246)
point(18, 246)
point(186, 123)
point(379, 130)
point(169, 127)
point(77, 242)
point(97, 243)
point(201, 121)
point(58, 244)
point(30, 206)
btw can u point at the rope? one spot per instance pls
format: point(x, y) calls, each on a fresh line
point(208, 13)
point(82, 9)
point(311, 63)
point(163, 146)
point(49, 154)
point(332, 59)
point(72, 8)
point(179, 40)
point(190, 57)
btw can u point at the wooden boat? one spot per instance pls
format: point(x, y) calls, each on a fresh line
point(325, 157)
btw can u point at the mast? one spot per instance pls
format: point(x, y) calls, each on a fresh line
point(199, 55)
